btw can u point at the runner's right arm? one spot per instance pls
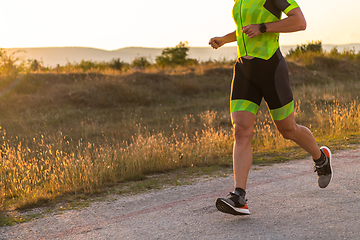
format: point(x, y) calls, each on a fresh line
point(217, 42)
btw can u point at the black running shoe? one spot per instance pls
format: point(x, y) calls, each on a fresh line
point(324, 171)
point(235, 204)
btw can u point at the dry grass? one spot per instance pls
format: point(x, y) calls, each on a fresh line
point(54, 166)
point(80, 132)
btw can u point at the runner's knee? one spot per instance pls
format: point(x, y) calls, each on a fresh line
point(242, 132)
point(290, 132)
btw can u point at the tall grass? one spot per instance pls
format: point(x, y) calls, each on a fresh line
point(55, 166)
point(337, 119)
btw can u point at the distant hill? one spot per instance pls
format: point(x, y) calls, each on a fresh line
point(61, 55)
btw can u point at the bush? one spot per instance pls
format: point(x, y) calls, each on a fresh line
point(89, 65)
point(313, 46)
point(8, 67)
point(34, 64)
point(117, 64)
point(86, 65)
point(141, 62)
point(176, 56)
point(312, 56)
point(347, 53)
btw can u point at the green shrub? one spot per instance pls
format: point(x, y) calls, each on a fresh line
point(176, 56)
point(313, 46)
point(140, 62)
point(117, 64)
point(86, 65)
point(312, 56)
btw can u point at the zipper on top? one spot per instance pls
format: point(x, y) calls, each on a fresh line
point(241, 21)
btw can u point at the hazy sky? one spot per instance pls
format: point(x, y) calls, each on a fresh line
point(113, 24)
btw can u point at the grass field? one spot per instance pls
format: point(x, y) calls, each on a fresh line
point(77, 133)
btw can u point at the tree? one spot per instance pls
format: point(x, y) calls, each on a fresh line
point(173, 56)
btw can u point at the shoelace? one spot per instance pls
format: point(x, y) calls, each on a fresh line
point(235, 194)
point(321, 170)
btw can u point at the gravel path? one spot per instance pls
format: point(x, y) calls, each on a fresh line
point(284, 200)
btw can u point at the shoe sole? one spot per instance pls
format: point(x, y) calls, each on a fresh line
point(225, 207)
point(327, 152)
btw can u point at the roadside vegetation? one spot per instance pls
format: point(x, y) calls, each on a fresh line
point(80, 128)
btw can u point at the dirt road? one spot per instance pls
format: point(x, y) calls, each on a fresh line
point(284, 200)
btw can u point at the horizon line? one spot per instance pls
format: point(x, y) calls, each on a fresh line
point(103, 49)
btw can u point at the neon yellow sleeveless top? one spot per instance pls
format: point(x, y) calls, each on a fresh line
point(246, 12)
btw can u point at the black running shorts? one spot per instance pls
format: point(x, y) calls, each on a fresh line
point(257, 78)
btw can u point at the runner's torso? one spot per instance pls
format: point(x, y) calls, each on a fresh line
point(246, 12)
